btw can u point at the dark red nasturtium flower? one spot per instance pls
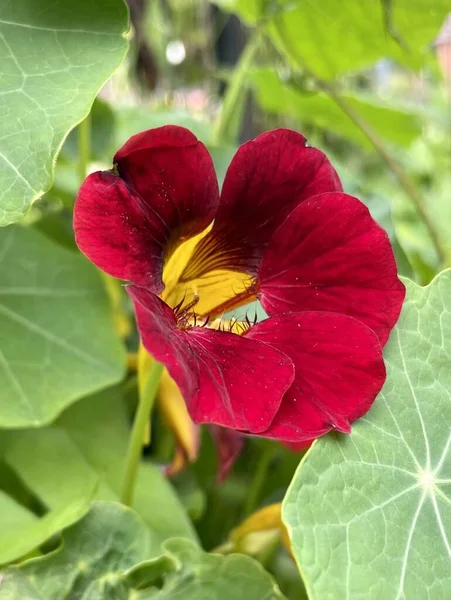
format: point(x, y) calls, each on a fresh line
point(282, 231)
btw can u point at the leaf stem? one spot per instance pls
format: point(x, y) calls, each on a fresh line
point(259, 478)
point(84, 147)
point(236, 86)
point(138, 433)
point(394, 166)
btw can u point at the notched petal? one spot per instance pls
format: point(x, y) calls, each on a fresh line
point(339, 372)
point(330, 255)
point(225, 379)
point(163, 191)
point(267, 178)
point(112, 230)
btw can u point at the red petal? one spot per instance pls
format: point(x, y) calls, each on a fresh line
point(229, 445)
point(339, 371)
point(267, 178)
point(166, 192)
point(225, 379)
point(330, 255)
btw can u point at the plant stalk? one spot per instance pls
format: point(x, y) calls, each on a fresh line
point(236, 86)
point(139, 430)
point(394, 166)
point(84, 147)
point(258, 480)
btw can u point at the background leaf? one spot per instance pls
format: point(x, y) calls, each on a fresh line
point(378, 501)
point(340, 36)
point(90, 564)
point(22, 531)
point(58, 342)
point(55, 59)
point(396, 126)
point(201, 576)
point(105, 557)
point(77, 459)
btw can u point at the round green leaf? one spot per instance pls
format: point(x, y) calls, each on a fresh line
point(55, 58)
point(197, 575)
point(78, 458)
point(369, 514)
point(106, 556)
point(57, 338)
point(90, 564)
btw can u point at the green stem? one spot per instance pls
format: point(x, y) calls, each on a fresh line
point(84, 147)
point(391, 162)
point(258, 480)
point(236, 86)
point(374, 139)
point(134, 452)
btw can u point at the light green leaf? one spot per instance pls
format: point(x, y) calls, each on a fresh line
point(100, 428)
point(90, 564)
point(55, 58)
point(397, 126)
point(369, 514)
point(106, 557)
point(58, 342)
point(249, 10)
point(22, 531)
point(200, 576)
point(78, 458)
point(333, 37)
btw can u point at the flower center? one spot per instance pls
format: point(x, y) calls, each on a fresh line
point(213, 290)
point(188, 318)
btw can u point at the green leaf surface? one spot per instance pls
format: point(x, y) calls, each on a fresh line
point(249, 10)
point(91, 562)
point(333, 37)
point(64, 466)
point(22, 531)
point(397, 126)
point(106, 556)
point(369, 514)
point(55, 58)
point(58, 342)
point(197, 575)
point(100, 428)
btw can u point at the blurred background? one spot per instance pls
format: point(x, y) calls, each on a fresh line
point(367, 82)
